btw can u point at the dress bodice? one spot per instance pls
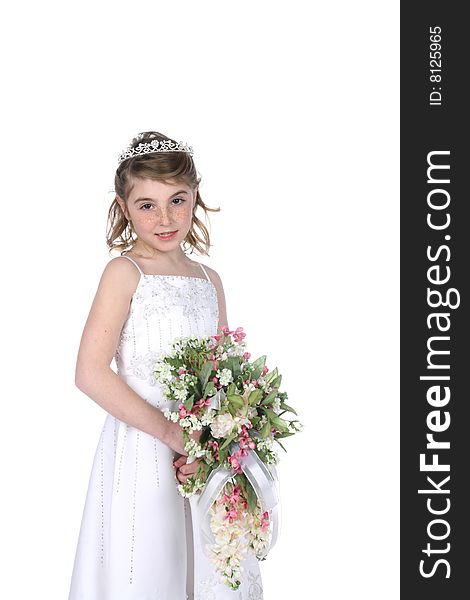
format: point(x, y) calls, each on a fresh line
point(163, 307)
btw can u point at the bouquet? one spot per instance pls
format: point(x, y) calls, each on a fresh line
point(236, 405)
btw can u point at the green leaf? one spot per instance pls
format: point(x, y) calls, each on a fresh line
point(210, 389)
point(205, 372)
point(251, 497)
point(269, 412)
point(254, 397)
point(234, 365)
point(265, 430)
point(223, 453)
point(232, 388)
point(232, 409)
point(257, 367)
point(287, 408)
point(236, 400)
point(228, 441)
point(272, 375)
point(276, 382)
point(189, 402)
point(280, 424)
point(284, 434)
point(270, 397)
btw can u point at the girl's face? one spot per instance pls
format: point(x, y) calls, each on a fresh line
point(161, 213)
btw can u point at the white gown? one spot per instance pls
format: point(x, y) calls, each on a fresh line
point(139, 539)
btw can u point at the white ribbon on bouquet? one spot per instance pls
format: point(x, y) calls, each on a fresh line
point(262, 477)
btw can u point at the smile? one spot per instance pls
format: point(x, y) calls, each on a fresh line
point(167, 235)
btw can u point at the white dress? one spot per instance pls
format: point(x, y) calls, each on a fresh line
point(139, 539)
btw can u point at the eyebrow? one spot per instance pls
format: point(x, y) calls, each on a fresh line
point(152, 199)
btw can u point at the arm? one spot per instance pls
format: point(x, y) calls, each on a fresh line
point(93, 374)
point(214, 276)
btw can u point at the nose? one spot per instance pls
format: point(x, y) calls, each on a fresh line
point(163, 217)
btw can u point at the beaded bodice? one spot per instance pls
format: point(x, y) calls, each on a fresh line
point(163, 307)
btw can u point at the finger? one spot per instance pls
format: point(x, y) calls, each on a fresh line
point(180, 461)
point(181, 477)
point(189, 469)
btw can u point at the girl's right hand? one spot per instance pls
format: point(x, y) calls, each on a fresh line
point(174, 437)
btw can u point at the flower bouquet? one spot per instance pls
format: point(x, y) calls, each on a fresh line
point(236, 405)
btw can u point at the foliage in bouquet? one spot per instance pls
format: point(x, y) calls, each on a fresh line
point(236, 405)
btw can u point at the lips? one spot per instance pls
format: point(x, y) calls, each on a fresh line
point(166, 235)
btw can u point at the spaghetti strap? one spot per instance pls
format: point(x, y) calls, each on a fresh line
point(205, 272)
point(133, 261)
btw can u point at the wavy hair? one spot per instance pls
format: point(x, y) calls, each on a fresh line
point(161, 166)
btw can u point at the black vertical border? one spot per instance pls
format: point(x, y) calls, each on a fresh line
point(426, 128)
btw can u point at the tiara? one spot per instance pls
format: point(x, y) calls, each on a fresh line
point(154, 146)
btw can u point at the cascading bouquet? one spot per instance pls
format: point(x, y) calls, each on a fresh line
point(238, 408)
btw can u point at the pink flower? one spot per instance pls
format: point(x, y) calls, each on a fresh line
point(231, 515)
point(265, 370)
point(265, 521)
point(245, 440)
point(246, 355)
point(183, 411)
point(200, 404)
point(181, 371)
point(215, 446)
point(232, 460)
point(238, 335)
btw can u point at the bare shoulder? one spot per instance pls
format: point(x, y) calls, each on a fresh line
point(120, 277)
point(107, 314)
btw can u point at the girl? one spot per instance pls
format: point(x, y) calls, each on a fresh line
point(139, 539)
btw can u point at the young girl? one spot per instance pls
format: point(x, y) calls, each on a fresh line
point(139, 539)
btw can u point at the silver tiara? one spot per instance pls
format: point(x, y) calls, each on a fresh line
point(154, 146)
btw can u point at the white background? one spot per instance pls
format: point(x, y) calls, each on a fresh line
point(292, 110)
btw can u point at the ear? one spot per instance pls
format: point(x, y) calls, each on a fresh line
point(123, 206)
point(195, 196)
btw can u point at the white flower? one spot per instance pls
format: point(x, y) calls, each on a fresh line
point(225, 376)
point(180, 393)
point(266, 444)
point(189, 488)
point(239, 421)
point(194, 449)
point(249, 388)
point(207, 418)
point(191, 422)
point(222, 425)
point(252, 412)
point(163, 372)
point(171, 416)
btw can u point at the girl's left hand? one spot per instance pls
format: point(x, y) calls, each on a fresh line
point(183, 470)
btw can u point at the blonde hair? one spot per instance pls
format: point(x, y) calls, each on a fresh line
point(161, 166)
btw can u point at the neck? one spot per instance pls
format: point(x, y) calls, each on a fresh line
point(175, 257)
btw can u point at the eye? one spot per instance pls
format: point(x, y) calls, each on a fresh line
point(178, 201)
point(146, 204)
